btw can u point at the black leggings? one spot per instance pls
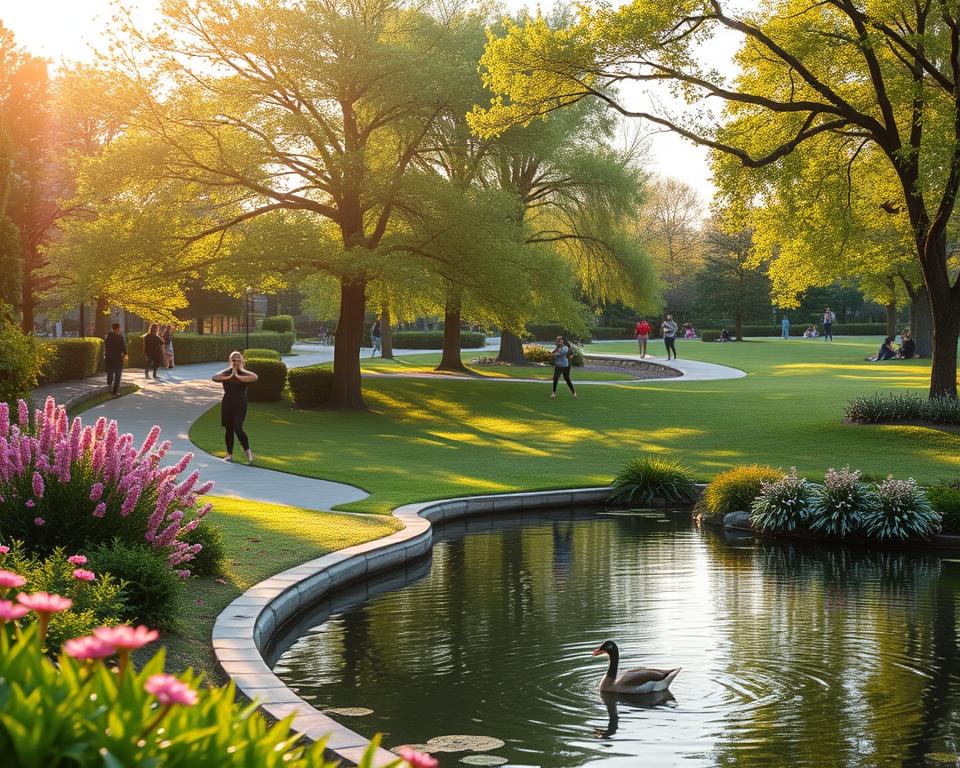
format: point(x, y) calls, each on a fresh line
point(557, 371)
point(236, 428)
point(670, 343)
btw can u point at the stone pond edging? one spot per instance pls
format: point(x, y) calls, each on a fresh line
point(244, 629)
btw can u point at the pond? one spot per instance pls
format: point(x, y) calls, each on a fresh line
point(792, 653)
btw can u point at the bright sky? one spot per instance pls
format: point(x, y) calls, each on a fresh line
point(67, 29)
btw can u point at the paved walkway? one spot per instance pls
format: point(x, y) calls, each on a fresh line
point(179, 397)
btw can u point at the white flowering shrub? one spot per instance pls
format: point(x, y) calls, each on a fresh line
point(901, 511)
point(783, 505)
point(842, 503)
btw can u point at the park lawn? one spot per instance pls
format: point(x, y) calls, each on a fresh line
point(427, 362)
point(427, 439)
point(260, 540)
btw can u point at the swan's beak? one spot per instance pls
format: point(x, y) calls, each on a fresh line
point(597, 652)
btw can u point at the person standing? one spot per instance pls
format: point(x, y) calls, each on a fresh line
point(115, 352)
point(375, 338)
point(643, 335)
point(562, 353)
point(785, 327)
point(828, 318)
point(233, 406)
point(669, 330)
point(167, 346)
point(152, 351)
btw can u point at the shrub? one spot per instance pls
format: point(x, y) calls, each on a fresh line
point(645, 479)
point(255, 353)
point(709, 335)
point(72, 359)
point(207, 348)
point(310, 386)
point(151, 590)
point(537, 354)
point(838, 507)
point(70, 711)
point(610, 332)
point(271, 379)
point(278, 323)
point(22, 360)
point(735, 490)
point(211, 560)
point(901, 511)
point(549, 331)
point(882, 408)
point(66, 485)
point(945, 500)
point(434, 340)
point(782, 505)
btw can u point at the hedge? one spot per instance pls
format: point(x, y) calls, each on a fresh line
point(72, 359)
point(549, 332)
point(310, 386)
point(612, 332)
point(258, 353)
point(278, 323)
point(434, 340)
point(195, 348)
point(271, 380)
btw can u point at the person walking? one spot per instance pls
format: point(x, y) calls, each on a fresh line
point(233, 406)
point(643, 335)
point(828, 318)
point(562, 353)
point(167, 346)
point(669, 330)
point(785, 327)
point(115, 352)
point(152, 351)
point(375, 338)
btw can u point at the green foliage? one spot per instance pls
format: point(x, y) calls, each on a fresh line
point(883, 408)
point(710, 335)
point(434, 340)
point(842, 503)
point(608, 332)
point(11, 263)
point(151, 589)
point(310, 386)
point(945, 500)
point(901, 511)
point(278, 323)
point(260, 353)
point(537, 353)
point(550, 331)
point(271, 379)
point(205, 348)
point(22, 359)
point(63, 712)
point(211, 560)
point(644, 480)
point(735, 490)
point(782, 505)
point(72, 359)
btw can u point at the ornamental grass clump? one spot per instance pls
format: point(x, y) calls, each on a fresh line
point(63, 484)
point(643, 480)
point(839, 506)
point(901, 511)
point(734, 491)
point(783, 505)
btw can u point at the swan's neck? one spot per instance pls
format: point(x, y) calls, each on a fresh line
point(614, 663)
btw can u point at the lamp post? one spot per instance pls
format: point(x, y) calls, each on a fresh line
point(246, 316)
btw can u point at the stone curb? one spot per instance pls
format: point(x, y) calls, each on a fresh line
point(245, 627)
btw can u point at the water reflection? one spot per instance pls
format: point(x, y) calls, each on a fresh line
point(793, 654)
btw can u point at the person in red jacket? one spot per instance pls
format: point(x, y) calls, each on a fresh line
point(642, 335)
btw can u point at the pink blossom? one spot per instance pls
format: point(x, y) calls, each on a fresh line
point(4, 419)
point(77, 560)
point(169, 690)
point(44, 602)
point(38, 487)
point(220, 581)
point(185, 574)
point(37, 520)
point(10, 580)
point(82, 574)
point(30, 505)
point(88, 648)
point(23, 413)
point(151, 440)
point(100, 510)
point(417, 759)
point(96, 491)
point(126, 637)
point(11, 611)
point(3, 548)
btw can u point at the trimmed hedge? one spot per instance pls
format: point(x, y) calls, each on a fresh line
point(310, 386)
point(271, 379)
point(72, 359)
point(945, 499)
point(434, 340)
point(258, 353)
point(709, 335)
point(887, 407)
point(278, 323)
point(194, 348)
point(549, 332)
point(611, 332)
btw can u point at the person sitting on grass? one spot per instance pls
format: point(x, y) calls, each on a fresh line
point(688, 331)
point(724, 335)
point(908, 349)
point(886, 352)
point(811, 332)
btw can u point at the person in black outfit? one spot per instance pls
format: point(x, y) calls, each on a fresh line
point(562, 359)
point(115, 352)
point(908, 349)
point(233, 407)
point(152, 351)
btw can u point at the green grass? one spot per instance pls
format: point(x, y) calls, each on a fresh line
point(426, 439)
point(260, 540)
point(426, 363)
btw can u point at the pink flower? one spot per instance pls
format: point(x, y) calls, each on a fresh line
point(37, 520)
point(30, 505)
point(220, 581)
point(81, 574)
point(126, 637)
point(11, 611)
point(185, 574)
point(3, 548)
point(417, 759)
point(169, 690)
point(88, 648)
point(96, 491)
point(9, 580)
point(44, 602)
point(23, 413)
point(100, 510)
point(77, 560)
point(38, 487)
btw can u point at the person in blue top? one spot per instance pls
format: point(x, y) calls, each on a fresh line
point(785, 327)
point(562, 353)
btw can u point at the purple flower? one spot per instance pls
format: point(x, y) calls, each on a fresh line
point(96, 491)
point(30, 505)
point(23, 413)
point(39, 521)
point(38, 487)
point(100, 510)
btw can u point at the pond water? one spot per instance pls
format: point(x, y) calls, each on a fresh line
point(792, 654)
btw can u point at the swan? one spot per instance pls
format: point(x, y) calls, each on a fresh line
point(633, 680)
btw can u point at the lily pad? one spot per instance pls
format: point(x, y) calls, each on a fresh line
point(463, 744)
point(483, 760)
point(348, 711)
point(951, 758)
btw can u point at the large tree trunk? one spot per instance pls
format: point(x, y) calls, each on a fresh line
point(347, 393)
point(451, 360)
point(511, 349)
point(101, 317)
point(946, 329)
point(199, 325)
point(386, 332)
point(891, 318)
point(921, 321)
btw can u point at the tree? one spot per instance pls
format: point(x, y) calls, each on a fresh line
point(11, 265)
point(824, 80)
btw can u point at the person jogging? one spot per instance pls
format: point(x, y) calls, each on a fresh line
point(669, 330)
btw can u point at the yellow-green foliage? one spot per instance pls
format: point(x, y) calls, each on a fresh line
point(734, 490)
